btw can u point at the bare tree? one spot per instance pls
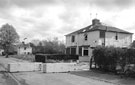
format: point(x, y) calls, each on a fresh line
point(8, 37)
point(53, 46)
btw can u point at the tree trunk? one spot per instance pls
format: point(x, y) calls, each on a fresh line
point(90, 63)
point(6, 51)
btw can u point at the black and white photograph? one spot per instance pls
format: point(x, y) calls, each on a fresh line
point(67, 42)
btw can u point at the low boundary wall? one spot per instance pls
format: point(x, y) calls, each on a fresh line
point(16, 67)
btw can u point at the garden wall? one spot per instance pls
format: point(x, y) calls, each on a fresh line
point(21, 67)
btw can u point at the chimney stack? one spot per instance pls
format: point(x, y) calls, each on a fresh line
point(95, 21)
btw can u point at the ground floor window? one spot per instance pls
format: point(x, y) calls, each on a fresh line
point(73, 51)
point(67, 50)
point(85, 51)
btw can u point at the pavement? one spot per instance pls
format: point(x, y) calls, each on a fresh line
point(71, 78)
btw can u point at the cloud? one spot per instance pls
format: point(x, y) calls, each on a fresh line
point(25, 3)
point(110, 5)
point(105, 4)
point(39, 19)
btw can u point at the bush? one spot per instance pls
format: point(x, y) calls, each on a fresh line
point(107, 58)
point(56, 57)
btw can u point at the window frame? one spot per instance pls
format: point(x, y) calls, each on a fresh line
point(85, 37)
point(102, 34)
point(116, 37)
point(85, 49)
point(25, 48)
point(73, 38)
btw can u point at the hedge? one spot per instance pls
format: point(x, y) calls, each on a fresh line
point(107, 58)
point(57, 57)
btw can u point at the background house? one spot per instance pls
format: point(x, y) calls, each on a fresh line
point(82, 42)
point(24, 49)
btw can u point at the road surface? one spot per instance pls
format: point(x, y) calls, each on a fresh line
point(5, 79)
point(2, 79)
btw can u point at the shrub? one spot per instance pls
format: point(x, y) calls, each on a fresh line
point(57, 57)
point(107, 58)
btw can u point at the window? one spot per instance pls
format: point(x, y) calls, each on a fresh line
point(25, 48)
point(85, 52)
point(116, 37)
point(85, 37)
point(102, 34)
point(67, 50)
point(73, 38)
point(73, 51)
point(103, 44)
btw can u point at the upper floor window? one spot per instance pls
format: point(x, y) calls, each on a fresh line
point(102, 34)
point(116, 37)
point(85, 37)
point(25, 48)
point(73, 38)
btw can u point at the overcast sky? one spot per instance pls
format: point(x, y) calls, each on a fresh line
point(42, 19)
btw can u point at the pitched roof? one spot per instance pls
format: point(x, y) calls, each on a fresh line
point(98, 26)
point(23, 45)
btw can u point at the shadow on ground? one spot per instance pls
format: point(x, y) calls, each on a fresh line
point(106, 77)
point(9, 80)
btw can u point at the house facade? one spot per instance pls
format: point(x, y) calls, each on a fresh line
point(83, 41)
point(24, 49)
